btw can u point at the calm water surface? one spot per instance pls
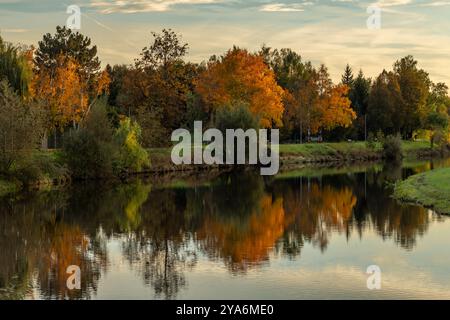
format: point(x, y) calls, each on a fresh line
point(304, 234)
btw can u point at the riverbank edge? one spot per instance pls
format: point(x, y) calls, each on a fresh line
point(429, 189)
point(292, 156)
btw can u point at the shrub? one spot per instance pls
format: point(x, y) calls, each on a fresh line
point(236, 116)
point(131, 155)
point(392, 147)
point(97, 150)
point(89, 150)
point(371, 141)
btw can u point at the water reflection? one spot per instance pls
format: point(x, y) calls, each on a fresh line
point(238, 220)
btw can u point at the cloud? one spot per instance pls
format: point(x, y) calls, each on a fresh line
point(281, 7)
point(135, 6)
point(436, 4)
point(393, 3)
point(14, 30)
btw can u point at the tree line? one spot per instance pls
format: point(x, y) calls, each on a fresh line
point(51, 89)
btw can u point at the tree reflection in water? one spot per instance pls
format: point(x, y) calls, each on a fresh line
point(239, 220)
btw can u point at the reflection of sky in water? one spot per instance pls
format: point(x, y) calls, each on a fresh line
point(339, 272)
point(236, 236)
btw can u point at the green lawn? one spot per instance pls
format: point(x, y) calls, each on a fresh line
point(430, 189)
point(312, 149)
point(345, 148)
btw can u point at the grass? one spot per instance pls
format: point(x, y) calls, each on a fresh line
point(44, 169)
point(347, 149)
point(317, 152)
point(325, 149)
point(430, 189)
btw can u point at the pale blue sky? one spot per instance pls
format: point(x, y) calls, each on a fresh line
point(333, 32)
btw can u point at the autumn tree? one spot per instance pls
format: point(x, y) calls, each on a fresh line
point(332, 107)
point(73, 46)
point(296, 77)
point(240, 77)
point(156, 89)
point(312, 103)
point(67, 76)
point(65, 102)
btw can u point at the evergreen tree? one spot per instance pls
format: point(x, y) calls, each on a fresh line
point(347, 77)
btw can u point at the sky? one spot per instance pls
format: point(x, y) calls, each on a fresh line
point(333, 32)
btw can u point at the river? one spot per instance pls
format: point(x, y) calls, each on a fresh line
point(305, 234)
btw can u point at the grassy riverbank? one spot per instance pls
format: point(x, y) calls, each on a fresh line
point(324, 152)
point(349, 150)
point(292, 157)
point(430, 189)
point(46, 170)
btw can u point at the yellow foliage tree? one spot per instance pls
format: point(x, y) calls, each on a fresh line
point(65, 93)
point(62, 92)
point(334, 109)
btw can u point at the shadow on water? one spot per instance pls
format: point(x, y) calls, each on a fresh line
point(238, 220)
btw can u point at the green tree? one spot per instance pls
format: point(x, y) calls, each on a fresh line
point(20, 129)
point(359, 95)
point(70, 44)
point(438, 123)
point(15, 65)
point(414, 85)
point(347, 77)
point(384, 108)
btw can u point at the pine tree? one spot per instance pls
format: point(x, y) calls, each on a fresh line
point(347, 77)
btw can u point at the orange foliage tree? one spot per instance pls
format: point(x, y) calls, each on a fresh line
point(61, 91)
point(240, 76)
point(319, 105)
point(65, 93)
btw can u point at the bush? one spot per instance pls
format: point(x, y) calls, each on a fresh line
point(131, 155)
point(440, 138)
point(89, 151)
point(371, 141)
point(392, 147)
point(97, 150)
point(236, 116)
